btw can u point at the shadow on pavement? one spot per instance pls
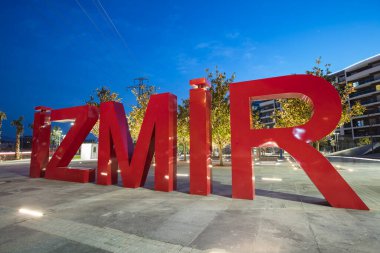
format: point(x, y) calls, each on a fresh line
point(292, 197)
point(225, 190)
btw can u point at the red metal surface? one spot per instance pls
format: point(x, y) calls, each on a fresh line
point(85, 118)
point(200, 83)
point(295, 140)
point(200, 138)
point(40, 142)
point(157, 136)
point(114, 141)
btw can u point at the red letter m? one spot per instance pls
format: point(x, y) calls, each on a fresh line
point(157, 135)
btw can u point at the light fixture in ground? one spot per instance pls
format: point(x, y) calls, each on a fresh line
point(30, 212)
point(271, 179)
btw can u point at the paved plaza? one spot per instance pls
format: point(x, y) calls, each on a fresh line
point(288, 214)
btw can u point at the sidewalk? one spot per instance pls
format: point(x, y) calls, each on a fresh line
point(288, 215)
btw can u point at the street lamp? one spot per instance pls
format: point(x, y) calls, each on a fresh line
point(336, 134)
point(59, 136)
point(370, 131)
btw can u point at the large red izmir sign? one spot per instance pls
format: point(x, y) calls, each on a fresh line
point(158, 136)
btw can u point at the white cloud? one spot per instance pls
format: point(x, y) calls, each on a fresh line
point(206, 45)
point(185, 63)
point(217, 50)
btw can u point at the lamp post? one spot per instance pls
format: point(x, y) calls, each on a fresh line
point(336, 135)
point(59, 136)
point(370, 131)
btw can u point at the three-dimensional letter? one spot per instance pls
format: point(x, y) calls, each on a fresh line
point(157, 136)
point(85, 118)
point(200, 137)
point(40, 141)
point(295, 140)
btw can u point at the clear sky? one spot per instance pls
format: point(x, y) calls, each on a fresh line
point(56, 52)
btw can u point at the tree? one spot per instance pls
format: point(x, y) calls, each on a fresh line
point(136, 116)
point(3, 116)
point(183, 126)
point(364, 141)
point(56, 136)
point(297, 111)
point(103, 94)
point(17, 123)
point(257, 124)
point(344, 91)
point(256, 121)
point(220, 109)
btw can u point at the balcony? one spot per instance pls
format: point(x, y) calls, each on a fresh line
point(265, 103)
point(267, 110)
point(367, 131)
point(266, 116)
point(364, 93)
point(377, 124)
point(363, 73)
point(365, 82)
point(366, 115)
point(369, 102)
point(364, 135)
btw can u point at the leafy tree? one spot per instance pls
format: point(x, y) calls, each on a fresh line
point(3, 116)
point(293, 112)
point(56, 136)
point(297, 111)
point(183, 126)
point(136, 116)
point(364, 141)
point(220, 109)
point(19, 131)
point(256, 121)
point(103, 94)
point(257, 124)
point(344, 91)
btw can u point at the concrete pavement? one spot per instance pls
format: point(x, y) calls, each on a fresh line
point(288, 215)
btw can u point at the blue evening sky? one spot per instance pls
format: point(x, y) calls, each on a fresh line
point(56, 52)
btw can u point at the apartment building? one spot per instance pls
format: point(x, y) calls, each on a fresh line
point(365, 77)
point(265, 110)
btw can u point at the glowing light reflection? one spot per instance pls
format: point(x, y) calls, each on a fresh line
point(271, 179)
point(30, 212)
point(298, 132)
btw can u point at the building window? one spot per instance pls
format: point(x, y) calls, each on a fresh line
point(360, 123)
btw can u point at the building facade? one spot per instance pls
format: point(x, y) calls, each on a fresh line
point(364, 76)
point(265, 110)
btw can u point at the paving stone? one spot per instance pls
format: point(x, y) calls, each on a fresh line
point(286, 216)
